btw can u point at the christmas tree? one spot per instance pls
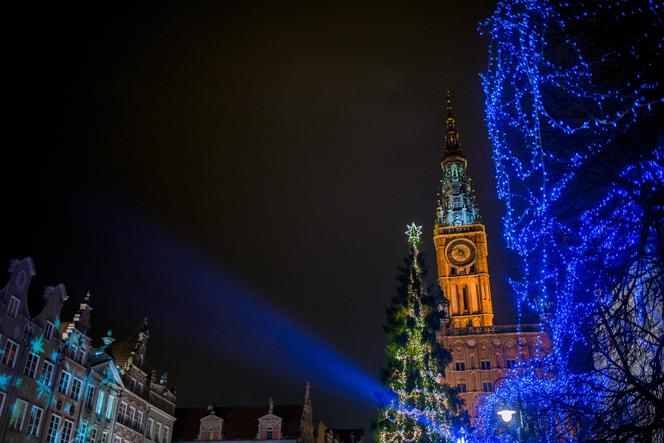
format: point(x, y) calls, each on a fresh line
point(418, 407)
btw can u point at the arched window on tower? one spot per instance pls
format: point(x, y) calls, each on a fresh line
point(466, 306)
point(479, 298)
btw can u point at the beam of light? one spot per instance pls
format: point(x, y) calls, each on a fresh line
point(241, 325)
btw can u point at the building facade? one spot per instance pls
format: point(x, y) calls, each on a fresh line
point(55, 387)
point(482, 352)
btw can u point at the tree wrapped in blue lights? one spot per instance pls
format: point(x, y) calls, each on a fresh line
point(574, 109)
point(418, 408)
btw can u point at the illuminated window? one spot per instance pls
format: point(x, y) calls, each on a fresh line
point(485, 364)
point(109, 406)
point(100, 402)
point(48, 330)
point(459, 366)
point(487, 386)
point(10, 353)
point(81, 433)
point(12, 307)
point(53, 425)
point(18, 414)
point(31, 364)
point(63, 385)
point(76, 386)
point(34, 422)
point(46, 373)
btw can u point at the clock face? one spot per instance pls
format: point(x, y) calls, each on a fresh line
point(461, 252)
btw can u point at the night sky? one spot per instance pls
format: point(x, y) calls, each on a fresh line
point(192, 163)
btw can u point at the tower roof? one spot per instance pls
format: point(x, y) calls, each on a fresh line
point(452, 145)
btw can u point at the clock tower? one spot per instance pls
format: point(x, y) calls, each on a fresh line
point(460, 239)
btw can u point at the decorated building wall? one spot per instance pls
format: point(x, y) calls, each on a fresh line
point(55, 386)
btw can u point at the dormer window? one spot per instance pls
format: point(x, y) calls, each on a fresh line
point(48, 331)
point(12, 307)
point(211, 426)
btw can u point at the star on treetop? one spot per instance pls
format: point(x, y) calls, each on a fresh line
point(413, 232)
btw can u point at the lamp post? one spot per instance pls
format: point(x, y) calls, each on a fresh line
point(506, 413)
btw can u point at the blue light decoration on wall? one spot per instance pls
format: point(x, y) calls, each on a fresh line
point(574, 107)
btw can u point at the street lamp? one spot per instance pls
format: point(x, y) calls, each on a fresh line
point(506, 414)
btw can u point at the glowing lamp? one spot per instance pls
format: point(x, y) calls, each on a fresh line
point(506, 414)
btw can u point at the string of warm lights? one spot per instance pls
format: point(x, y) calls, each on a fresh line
point(418, 406)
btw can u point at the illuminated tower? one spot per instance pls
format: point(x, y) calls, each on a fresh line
point(460, 239)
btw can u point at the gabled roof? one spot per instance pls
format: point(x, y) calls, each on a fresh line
point(122, 352)
point(240, 422)
point(104, 365)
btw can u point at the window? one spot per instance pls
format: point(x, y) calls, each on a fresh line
point(67, 431)
point(462, 387)
point(76, 386)
point(46, 373)
point(18, 414)
point(487, 386)
point(132, 414)
point(53, 425)
point(80, 357)
point(12, 307)
point(63, 385)
point(270, 434)
point(509, 364)
point(10, 353)
point(150, 430)
point(460, 366)
point(89, 396)
point(48, 330)
point(158, 439)
point(485, 364)
point(166, 431)
point(117, 439)
point(109, 406)
point(31, 365)
point(466, 305)
point(92, 436)
point(139, 419)
point(122, 410)
point(100, 403)
point(139, 387)
point(34, 422)
point(82, 432)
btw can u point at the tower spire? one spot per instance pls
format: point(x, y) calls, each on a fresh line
point(452, 145)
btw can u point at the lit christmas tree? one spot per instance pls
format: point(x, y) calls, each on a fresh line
point(418, 407)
